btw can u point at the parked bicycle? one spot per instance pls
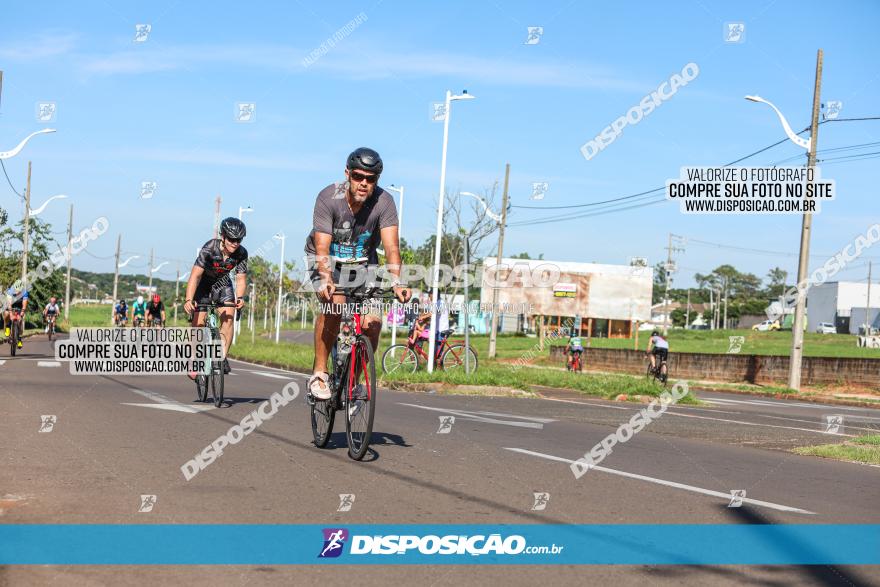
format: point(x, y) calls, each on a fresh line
point(450, 355)
point(352, 381)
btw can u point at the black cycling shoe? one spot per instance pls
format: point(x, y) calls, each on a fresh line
point(226, 367)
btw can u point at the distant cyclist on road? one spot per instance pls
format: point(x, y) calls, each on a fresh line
point(657, 346)
point(50, 312)
point(16, 303)
point(575, 345)
point(156, 311)
point(120, 312)
point(350, 220)
point(211, 280)
point(138, 312)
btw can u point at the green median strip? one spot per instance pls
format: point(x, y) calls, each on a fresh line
point(296, 356)
point(862, 449)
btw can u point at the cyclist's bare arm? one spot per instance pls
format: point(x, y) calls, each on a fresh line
point(391, 244)
point(322, 261)
point(240, 289)
point(194, 277)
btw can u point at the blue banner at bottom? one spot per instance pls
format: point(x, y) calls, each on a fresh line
point(249, 544)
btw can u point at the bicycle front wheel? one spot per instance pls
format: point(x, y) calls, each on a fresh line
point(359, 398)
point(400, 359)
point(454, 358)
point(216, 378)
point(202, 387)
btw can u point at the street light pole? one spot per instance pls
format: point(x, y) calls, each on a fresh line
point(115, 278)
point(67, 282)
point(797, 334)
point(282, 238)
point(493, 332)
point(394, 303)
point(432, 341)
point(150, 282)
point(25, 236)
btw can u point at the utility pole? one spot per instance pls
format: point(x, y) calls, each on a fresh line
point(176, 292)
point(797, 335)
point(711, 309)
point(115, 277)
point(669, 270)
point(493, 333)
point(27, 223)
point(725, 305)
point(150, 283)
point(868, 322)
point(67, 282)
point(687, 312)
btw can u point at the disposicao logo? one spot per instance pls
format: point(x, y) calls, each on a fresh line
point(334, 540)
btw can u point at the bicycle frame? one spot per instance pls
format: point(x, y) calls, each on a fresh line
point(357, 321)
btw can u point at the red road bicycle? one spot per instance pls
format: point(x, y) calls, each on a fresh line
point(405, 358)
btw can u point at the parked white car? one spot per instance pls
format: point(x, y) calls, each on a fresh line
point(826, 328)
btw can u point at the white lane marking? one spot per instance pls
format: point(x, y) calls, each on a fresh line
point(267, 367)
point(781, 404)
point(543, 420)
point(162, 400)
point(174, 407)
point(48, 364)
point(754, 423)
point(473, 416)
point(571, 401)
point(2, 361)
point(675, 484)
point(272, 375)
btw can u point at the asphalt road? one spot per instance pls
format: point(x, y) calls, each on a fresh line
point(117, 438)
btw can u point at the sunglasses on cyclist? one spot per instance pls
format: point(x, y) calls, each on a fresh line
point(235, 241)
point(358, 177)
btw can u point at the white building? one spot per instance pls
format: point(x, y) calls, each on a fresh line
point(842, 303)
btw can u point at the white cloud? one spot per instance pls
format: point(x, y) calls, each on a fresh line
point(46, 44)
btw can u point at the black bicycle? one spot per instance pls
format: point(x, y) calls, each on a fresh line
point(660, 373)
point(353, 378)
point(16, 317)
point(212, 377)
point(50, 326)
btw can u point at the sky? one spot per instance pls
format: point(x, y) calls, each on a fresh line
point(164, 110)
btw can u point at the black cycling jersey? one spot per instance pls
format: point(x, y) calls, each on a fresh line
point(156, 309)
point(216, 267)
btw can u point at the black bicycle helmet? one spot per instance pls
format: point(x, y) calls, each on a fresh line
point(233, 228)
point(655, 333)
point(365, 159)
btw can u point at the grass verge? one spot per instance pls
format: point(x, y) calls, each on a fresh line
point(862, 449)
point(490, 373)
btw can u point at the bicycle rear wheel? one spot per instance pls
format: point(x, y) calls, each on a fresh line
point(359, 398)
point(454, 357)
point(202, 387)
point(400, 359)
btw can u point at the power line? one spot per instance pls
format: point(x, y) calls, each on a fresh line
point(10, 181)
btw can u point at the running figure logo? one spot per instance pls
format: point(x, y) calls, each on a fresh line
point(438, 111)
point(147, 503)
point(142, 32)
point(46, 111)
point(535, 34)
point(736, 498)
point(736, 344)
point(334, 540)
point(541, 500)
point(148, 189)
point(47, 423)
point(346, 500)
point(245, 112)
point(446, 423)
point(734, 32)
point(832, 109)
point(539, 189)
point(833, 424)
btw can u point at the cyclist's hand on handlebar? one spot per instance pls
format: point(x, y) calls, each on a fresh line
point(328, 288)
point(403, 294)
point(239, 303)
point(188, 307)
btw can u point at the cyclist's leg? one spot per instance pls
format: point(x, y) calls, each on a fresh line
point(326, 323)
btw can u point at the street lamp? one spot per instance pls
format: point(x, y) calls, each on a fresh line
point(132, 258)
point(448, 113)
point(34, 213)
point(243, 210)
point(399, 190)
point(797, 334)
point(20, 146)
point(282, 238)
